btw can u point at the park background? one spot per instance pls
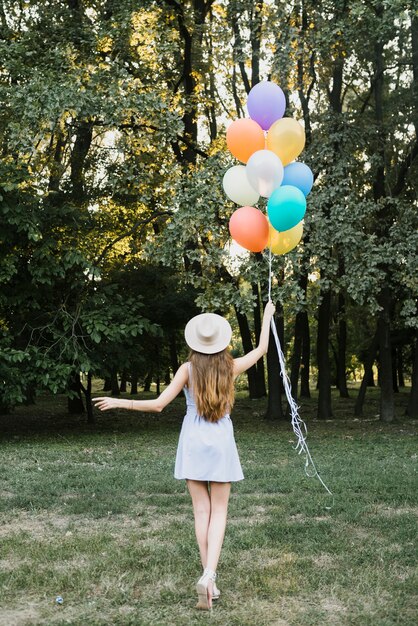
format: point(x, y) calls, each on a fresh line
point(114, 232)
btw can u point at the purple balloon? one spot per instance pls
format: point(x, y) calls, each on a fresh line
point(266, 104)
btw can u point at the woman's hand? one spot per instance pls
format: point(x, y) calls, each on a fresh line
point(269, 310)
point(105, 403)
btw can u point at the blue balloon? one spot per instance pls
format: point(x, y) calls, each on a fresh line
point(286, 207)
point(299, 175)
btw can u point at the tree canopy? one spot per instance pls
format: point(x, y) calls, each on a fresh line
point(114, 223)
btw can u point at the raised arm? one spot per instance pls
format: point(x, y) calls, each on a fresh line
point(243, 363)
point(152, 406)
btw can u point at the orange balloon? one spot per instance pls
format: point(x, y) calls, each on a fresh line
point(286, 138)
point(250, 228)
point(244, 137)
point(284, 241)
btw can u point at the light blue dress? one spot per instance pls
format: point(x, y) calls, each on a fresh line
point(206, 450)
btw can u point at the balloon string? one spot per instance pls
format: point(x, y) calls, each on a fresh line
point(298, 425)
point(269, 268)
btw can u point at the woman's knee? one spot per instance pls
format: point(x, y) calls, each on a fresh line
point(201, 509)
point(219, 497)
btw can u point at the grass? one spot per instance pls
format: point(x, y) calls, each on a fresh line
point(94, 515)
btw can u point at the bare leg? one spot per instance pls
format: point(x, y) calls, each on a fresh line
point(198, 490)
point(210, 507)
point(219, 497)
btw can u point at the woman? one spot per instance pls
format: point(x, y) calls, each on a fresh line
point(207, 456)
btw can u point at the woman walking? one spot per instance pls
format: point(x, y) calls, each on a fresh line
point(207, 456)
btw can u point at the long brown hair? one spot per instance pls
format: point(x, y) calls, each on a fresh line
point(212, 380)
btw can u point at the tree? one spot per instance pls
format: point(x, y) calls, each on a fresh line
point(71, 203)
point(112, 142)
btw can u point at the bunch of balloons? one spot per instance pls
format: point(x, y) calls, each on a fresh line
point(267, 143)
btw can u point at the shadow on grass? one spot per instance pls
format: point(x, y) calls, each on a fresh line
point(50, 414)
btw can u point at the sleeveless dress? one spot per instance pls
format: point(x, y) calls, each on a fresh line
point(206, 450)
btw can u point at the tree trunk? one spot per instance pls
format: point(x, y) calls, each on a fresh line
point(260, 377)
point(5, 408)
point(279, 319)
point(395, 369)
point(368, 372)
point(324, 368)
point(401, 380)
point(335, 96)
point(387, 407)
point(81, 147)
point(123, 381)
point(296, 356)
point(247, 346)
point(210, 108)
point(87, 395)
point(114, 383)
point(370, 377)
point(30, 395)
point(107, 385)
point(387, 404)
point(274, 404)
point(191, 34)
point(412, 408)
point(75, 403)
point(148, 381)
point(173, 353)
point(342, 348)
point(158, 381)
point(306, 356)
point(256, 26)
point(306, 76)
point(134, 383)
point(56, 168)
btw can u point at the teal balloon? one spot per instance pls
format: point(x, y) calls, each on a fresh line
point(286, 207)
point(299, 175)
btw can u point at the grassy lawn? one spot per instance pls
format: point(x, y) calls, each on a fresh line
point(93, 514)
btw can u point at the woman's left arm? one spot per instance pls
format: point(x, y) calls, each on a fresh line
point(152, 406)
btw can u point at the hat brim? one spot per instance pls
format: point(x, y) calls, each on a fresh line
point(223, 337)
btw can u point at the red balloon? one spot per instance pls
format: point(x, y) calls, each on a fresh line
point(250, 228)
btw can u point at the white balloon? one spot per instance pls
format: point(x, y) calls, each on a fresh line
point(238, 188)
point(264, 172)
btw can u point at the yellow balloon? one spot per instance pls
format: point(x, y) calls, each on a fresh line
point(285, 241)
point(286, 138)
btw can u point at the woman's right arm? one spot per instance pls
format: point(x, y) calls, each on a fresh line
point(153, 406)
point(243, 363)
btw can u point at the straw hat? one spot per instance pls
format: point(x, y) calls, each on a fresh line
point(208, 333)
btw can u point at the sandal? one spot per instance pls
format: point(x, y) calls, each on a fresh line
point(216, 594)
point(205, 589)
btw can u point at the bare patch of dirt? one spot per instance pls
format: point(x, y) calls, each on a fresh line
point(8, 565)
point(40, 526)
point(323, 560)
point(388, 511)
point(250, 520)
point(6, 494)
point(362, 533)
point(25, 522)
point(25, 616)
point(332, 605)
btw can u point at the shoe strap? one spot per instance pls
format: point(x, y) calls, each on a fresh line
point(209, 573)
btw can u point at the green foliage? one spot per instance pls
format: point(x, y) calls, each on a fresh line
point(112, 139)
